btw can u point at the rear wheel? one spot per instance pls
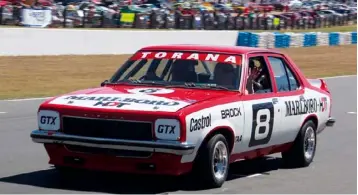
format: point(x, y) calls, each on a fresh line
point(302, 152)
point(212, 163)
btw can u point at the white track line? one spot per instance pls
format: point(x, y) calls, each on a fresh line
point(3, 112)
point(43, 98)
point(247, 176)
point(27, 99)
point(352, 112)
point(254, 175)
point(337, 77)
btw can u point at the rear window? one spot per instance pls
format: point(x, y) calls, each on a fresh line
point(181, 69)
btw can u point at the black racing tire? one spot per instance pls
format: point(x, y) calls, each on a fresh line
point(295, 157)
point(203, 170)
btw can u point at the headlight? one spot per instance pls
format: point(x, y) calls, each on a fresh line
point(167, 129)
point(49, 120)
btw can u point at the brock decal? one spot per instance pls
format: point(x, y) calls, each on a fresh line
point(124, 101)
point(230, 113)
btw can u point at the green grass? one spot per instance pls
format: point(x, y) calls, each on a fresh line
point(39, 76)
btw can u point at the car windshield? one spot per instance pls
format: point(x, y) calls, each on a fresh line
point(181, 69)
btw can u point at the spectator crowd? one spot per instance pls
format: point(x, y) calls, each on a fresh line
point(179, 14)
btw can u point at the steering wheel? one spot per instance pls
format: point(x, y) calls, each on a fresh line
point(258, 85)
point(258, 82)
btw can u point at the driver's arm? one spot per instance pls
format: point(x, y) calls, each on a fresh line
point(250, 85)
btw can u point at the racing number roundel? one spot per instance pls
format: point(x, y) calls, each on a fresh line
point(262, 123)
point(150, 91)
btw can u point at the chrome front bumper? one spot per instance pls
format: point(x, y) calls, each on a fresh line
point(171, 147)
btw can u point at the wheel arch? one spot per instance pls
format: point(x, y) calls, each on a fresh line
point(226, 131)
point(313, 118)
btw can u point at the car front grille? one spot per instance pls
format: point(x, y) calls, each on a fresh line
point(113, 129)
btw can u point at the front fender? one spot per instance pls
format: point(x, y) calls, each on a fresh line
point(199, 137)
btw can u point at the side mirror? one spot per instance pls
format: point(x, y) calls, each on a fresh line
point(104, 83)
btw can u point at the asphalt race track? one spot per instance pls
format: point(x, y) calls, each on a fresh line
point(24, 168)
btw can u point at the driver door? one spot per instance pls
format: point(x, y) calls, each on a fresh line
point(262, 111)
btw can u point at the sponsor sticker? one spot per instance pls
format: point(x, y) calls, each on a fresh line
point(306, 106)
point(230, 113)
point(49, 120)
point(238, 138)
point(150, 91)
point(233, 59)
point(197, 124)
point(122, 101)
point(168, 129)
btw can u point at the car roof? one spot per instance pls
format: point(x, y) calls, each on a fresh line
point(210, 48)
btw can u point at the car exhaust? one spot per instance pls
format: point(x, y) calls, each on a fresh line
point(74, 160)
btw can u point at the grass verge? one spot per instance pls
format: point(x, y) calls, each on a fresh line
point(39, 76)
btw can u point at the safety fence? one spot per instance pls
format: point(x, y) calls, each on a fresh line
point(287, 40)
point(163, 20)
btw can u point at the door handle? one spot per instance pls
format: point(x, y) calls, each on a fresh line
point(274, 100)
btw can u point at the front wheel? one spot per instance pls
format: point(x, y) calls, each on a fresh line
point(212, 163)
point(302, 152)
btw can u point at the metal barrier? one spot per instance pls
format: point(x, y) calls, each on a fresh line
point(11, 15)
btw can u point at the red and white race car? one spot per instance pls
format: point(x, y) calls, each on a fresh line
point(176, 109)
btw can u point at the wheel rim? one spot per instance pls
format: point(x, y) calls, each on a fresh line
point(220, 160)
point(309, 143)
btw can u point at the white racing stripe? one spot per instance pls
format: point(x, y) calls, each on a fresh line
point(43, 98)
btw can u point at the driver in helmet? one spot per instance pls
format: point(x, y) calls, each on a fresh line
point(254, 72)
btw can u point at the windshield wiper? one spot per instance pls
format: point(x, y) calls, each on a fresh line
point(199, 86)
point(153, 83)
point(185, 85)
point(129, 81)
point(141, 82)
point(182, 85)
point(215, 87)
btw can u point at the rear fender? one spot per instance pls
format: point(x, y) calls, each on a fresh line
point(319, 83)
point(322, 85)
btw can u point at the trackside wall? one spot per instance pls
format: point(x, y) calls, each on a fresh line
point(37, 42)
point(27, 41)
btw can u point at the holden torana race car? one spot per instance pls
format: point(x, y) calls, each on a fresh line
point(177, 109)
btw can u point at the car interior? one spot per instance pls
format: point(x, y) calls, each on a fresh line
point(285, 79)
point(193, 71)
point(262, 83)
